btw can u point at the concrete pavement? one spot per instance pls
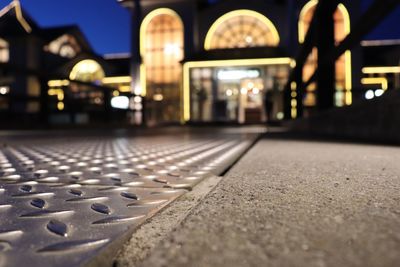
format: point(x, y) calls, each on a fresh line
point(294, 203)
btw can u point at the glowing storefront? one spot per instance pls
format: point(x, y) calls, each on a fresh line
point(235, 90)
point(204, 61)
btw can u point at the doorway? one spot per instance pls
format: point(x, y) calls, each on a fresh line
point(251, 104)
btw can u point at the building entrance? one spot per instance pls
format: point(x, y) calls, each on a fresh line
point(237, 94)
point(241, 101)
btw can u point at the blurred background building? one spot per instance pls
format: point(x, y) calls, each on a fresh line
point(191, 61)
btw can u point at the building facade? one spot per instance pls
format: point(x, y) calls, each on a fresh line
point(229, 61)
point(52, 75)
point(192, 61)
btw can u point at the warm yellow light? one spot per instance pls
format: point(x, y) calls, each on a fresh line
point(115, 93)
point(87, 70)
point(57, 83)
point(158, 97)
point(141, 88)
point(220, 63)
point(55, 92)
point(240, 12)
point(303, 12)
point(293, 85)
point(60, 105)
point(51, 92)
point(125, 88)
point(293, 113)
point(347, 56)
point(376, 80)
point(60, 96)
point(117, 79)
point(374, 70)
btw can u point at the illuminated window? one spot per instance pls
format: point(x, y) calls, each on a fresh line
point(343, 64)
point(162, 51)
point(241, 28)
point(87, 70)
point(65, 46)
point(4, 51)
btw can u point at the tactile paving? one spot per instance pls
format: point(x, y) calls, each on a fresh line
point(65, 200)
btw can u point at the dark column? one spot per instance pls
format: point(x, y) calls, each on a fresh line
point(136, 60)
point(299, 92)
point(325, 43)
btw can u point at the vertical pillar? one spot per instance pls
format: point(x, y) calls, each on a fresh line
point(396, 82)
point(136, 60)
point(325, 43)
point(299, 91)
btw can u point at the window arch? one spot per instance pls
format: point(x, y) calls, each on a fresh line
point(241, 28)
point(343, 64)
point(4, 51)
point(65, 46)
point(161, 49)
point(87, 70)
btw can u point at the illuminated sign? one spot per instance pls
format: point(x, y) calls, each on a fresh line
point(238, 74)
point(120, 102)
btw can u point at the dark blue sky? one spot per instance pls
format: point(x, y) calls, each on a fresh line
point(106, 23)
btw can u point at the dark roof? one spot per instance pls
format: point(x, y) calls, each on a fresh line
point(14, 21)
point(121, 66)
point(52, 33)
point(381, 55)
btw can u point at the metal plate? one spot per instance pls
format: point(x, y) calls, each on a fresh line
point(63, 201)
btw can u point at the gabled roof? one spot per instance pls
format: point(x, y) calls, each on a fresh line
point(52, 33)
point(14, 21)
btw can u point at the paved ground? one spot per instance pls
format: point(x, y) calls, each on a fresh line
point(70, 198)
point(295, 203)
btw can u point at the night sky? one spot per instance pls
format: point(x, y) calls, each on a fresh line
point(106, 24)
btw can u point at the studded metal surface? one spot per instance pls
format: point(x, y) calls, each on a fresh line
point(63, 201)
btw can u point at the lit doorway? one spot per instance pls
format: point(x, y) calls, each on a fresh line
point(251, 104)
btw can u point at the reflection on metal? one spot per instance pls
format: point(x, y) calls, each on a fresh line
point(237, 13)
point(221, 63)
point(376, 80)
point(64, 201)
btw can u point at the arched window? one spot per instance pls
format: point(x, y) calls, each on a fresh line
point(343, 64)
point(87, 70)
point(65, 46)
point(162, 50)
point(241, 28)
point(4, 51)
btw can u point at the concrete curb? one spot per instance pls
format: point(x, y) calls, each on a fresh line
point(159, 227)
